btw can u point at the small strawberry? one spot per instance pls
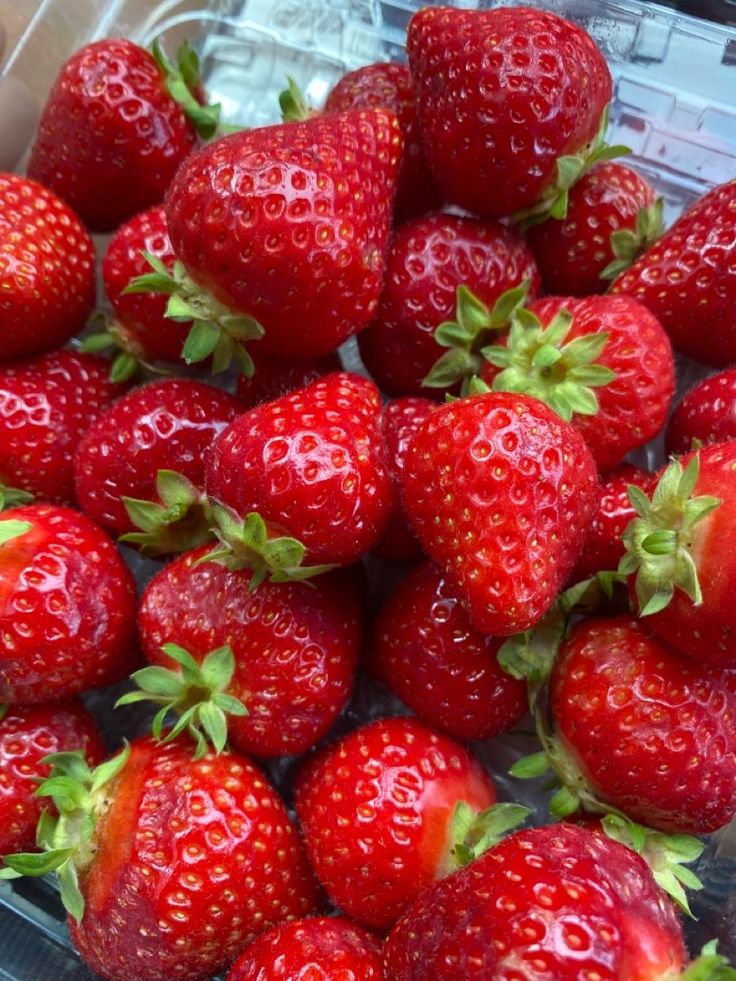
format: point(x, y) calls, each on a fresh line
point(67, 606)
point(274, 377)
point(426, 650)
point(46, 405)
point(47, 269)
point(500, 491)
point(428, 260)
point(688, 278)
point(707, 414)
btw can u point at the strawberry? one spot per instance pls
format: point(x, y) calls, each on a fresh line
point(612, 216)
point(46, 404)
point(26, 736)
point(47, 269)
point(168, 866)
point(387, 85)
point(319, 948)
point(116, 125)
point(390, 808)
point(688, 278)
point(427, 651)
point(290, 652)
point(511, 104)
point(428, 260)
point(707, 414)
point(275, 377)
point(311, 464)
point(500, 491)
point(67, 606)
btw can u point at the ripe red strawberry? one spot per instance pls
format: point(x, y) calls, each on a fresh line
point(379, 808)
point(112, 135)
point(500, 491)
point(428, 260)
point(611, 218)
point(319, 949)
point(503, 94)
point(563, 902)
point(170, 866)
point(311, 464)
point(47, 269)
point(707, 414)
point(27, 735)
point(46, 404)
point(426, 650)
point(688, 278)
point(387, 85)
point(274, 377)
point(67, 606)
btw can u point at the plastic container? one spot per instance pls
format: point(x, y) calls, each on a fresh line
point(674, 105)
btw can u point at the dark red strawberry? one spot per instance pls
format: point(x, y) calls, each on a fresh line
point(426, 650)
point(318, 949)
point(611, 218)
point(688, 278)
point(500, 491)
point(47, 269)
point(428, 260)
point(707, 414)
point(67, 606)
point(46, 405)
point(503, 96)
point(275, 377)
point(27, 735)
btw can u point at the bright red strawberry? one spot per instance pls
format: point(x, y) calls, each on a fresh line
point(275, 377)
point(46, 405)
point(311, 464)
point(428, 260)
point(67, 606)
point(388, 85)
point(427, 651)
point(562, 902)
point(688, 278)
point(500, 491)
point(707, 414)
point(47, 269)
point(27, 735)
point(503, 94)
point(611, 218)
point(111, 135)
point(378, 809)
point(317, 949)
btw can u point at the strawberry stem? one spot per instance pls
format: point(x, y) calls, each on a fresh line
point(183, 82)
point(628, 245)
point(472, 833)
point(293, 103)
point(182, 521)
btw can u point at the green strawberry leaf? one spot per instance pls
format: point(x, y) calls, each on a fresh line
point(293, 104)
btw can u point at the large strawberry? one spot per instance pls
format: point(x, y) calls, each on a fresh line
point(67, 605)
point(511, 102)
point(47, 269)
point(688, 278)
point(500, 491)
point(707, 414)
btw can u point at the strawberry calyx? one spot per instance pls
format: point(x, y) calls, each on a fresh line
point(660, 538)
point(12, 528)
point(293, 103)
point(13, 497)
point(196, 693)
point(709, 966)
point(216, 332)
point(4, 706)
point(181, 521)
point(473, 833)
point(183, 83)
point(79, 794)
point(627, 244)
point(127, 359)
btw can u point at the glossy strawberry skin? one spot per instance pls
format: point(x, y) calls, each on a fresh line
point(653, 733)
point(375, 809)
point(428, 259)
point(166, 425)
point(426, 650)
point(295, 645)
point(320, 948)
point(274, 377)
point(27, 734)
point(707, 413)
point(193, 860)
point(572, 252)
point(67, 607)
point(312, 464)
point(110, 137)
point(502, 94)
point(387, 85)
point(500, 492)
point(47, 269)
point(688, 278)
point(46, 405)
point(561, 902)
point(289, 224)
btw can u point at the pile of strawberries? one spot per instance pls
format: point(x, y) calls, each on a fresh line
point(517, 302)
